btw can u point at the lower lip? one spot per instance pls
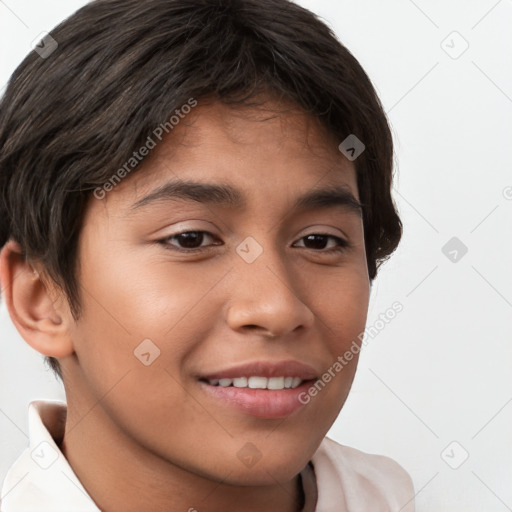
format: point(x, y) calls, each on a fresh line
point(261, 403)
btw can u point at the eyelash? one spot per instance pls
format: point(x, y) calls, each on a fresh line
point(342, 246)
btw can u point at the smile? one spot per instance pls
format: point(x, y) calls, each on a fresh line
point(262, 388)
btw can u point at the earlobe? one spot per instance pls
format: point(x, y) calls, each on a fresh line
point(37, 309)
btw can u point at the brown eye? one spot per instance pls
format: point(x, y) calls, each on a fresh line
point(188, 240)
point(319, 242)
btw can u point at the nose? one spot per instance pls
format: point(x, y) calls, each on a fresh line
point(265, 298)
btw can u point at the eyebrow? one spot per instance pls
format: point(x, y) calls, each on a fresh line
point(226, 195)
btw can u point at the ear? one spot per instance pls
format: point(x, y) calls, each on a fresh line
point(38, 309)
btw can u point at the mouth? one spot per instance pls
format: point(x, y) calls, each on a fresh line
point(260, 389)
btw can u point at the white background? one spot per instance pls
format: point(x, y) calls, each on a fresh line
point(441, 370)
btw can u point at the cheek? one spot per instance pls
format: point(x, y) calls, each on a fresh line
point(341, 301)
point(138, 311)
point(341, 306)
point(131, 347)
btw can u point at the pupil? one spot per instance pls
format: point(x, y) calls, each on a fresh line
point(191, 240)
point(318, 241)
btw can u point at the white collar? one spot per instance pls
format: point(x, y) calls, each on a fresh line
point(41, 475)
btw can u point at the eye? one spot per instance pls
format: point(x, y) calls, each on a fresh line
point(188, 240)
point(319, 241)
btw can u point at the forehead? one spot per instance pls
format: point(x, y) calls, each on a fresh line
point(273, 148)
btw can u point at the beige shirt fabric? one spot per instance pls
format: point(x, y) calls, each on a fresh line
point(337, 479)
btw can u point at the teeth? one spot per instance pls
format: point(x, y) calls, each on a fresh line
point(276, 383)
point(296, 382)
point(256, 382)
point(240, 382)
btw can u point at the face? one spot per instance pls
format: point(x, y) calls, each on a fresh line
point(186, 288)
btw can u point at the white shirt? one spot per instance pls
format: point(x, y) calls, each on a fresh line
point(337, 479)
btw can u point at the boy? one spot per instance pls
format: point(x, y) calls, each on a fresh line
point(195, 200)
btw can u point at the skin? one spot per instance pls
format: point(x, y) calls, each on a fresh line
point(146, 437)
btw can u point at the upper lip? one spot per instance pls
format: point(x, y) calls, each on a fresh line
point(290, 368)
